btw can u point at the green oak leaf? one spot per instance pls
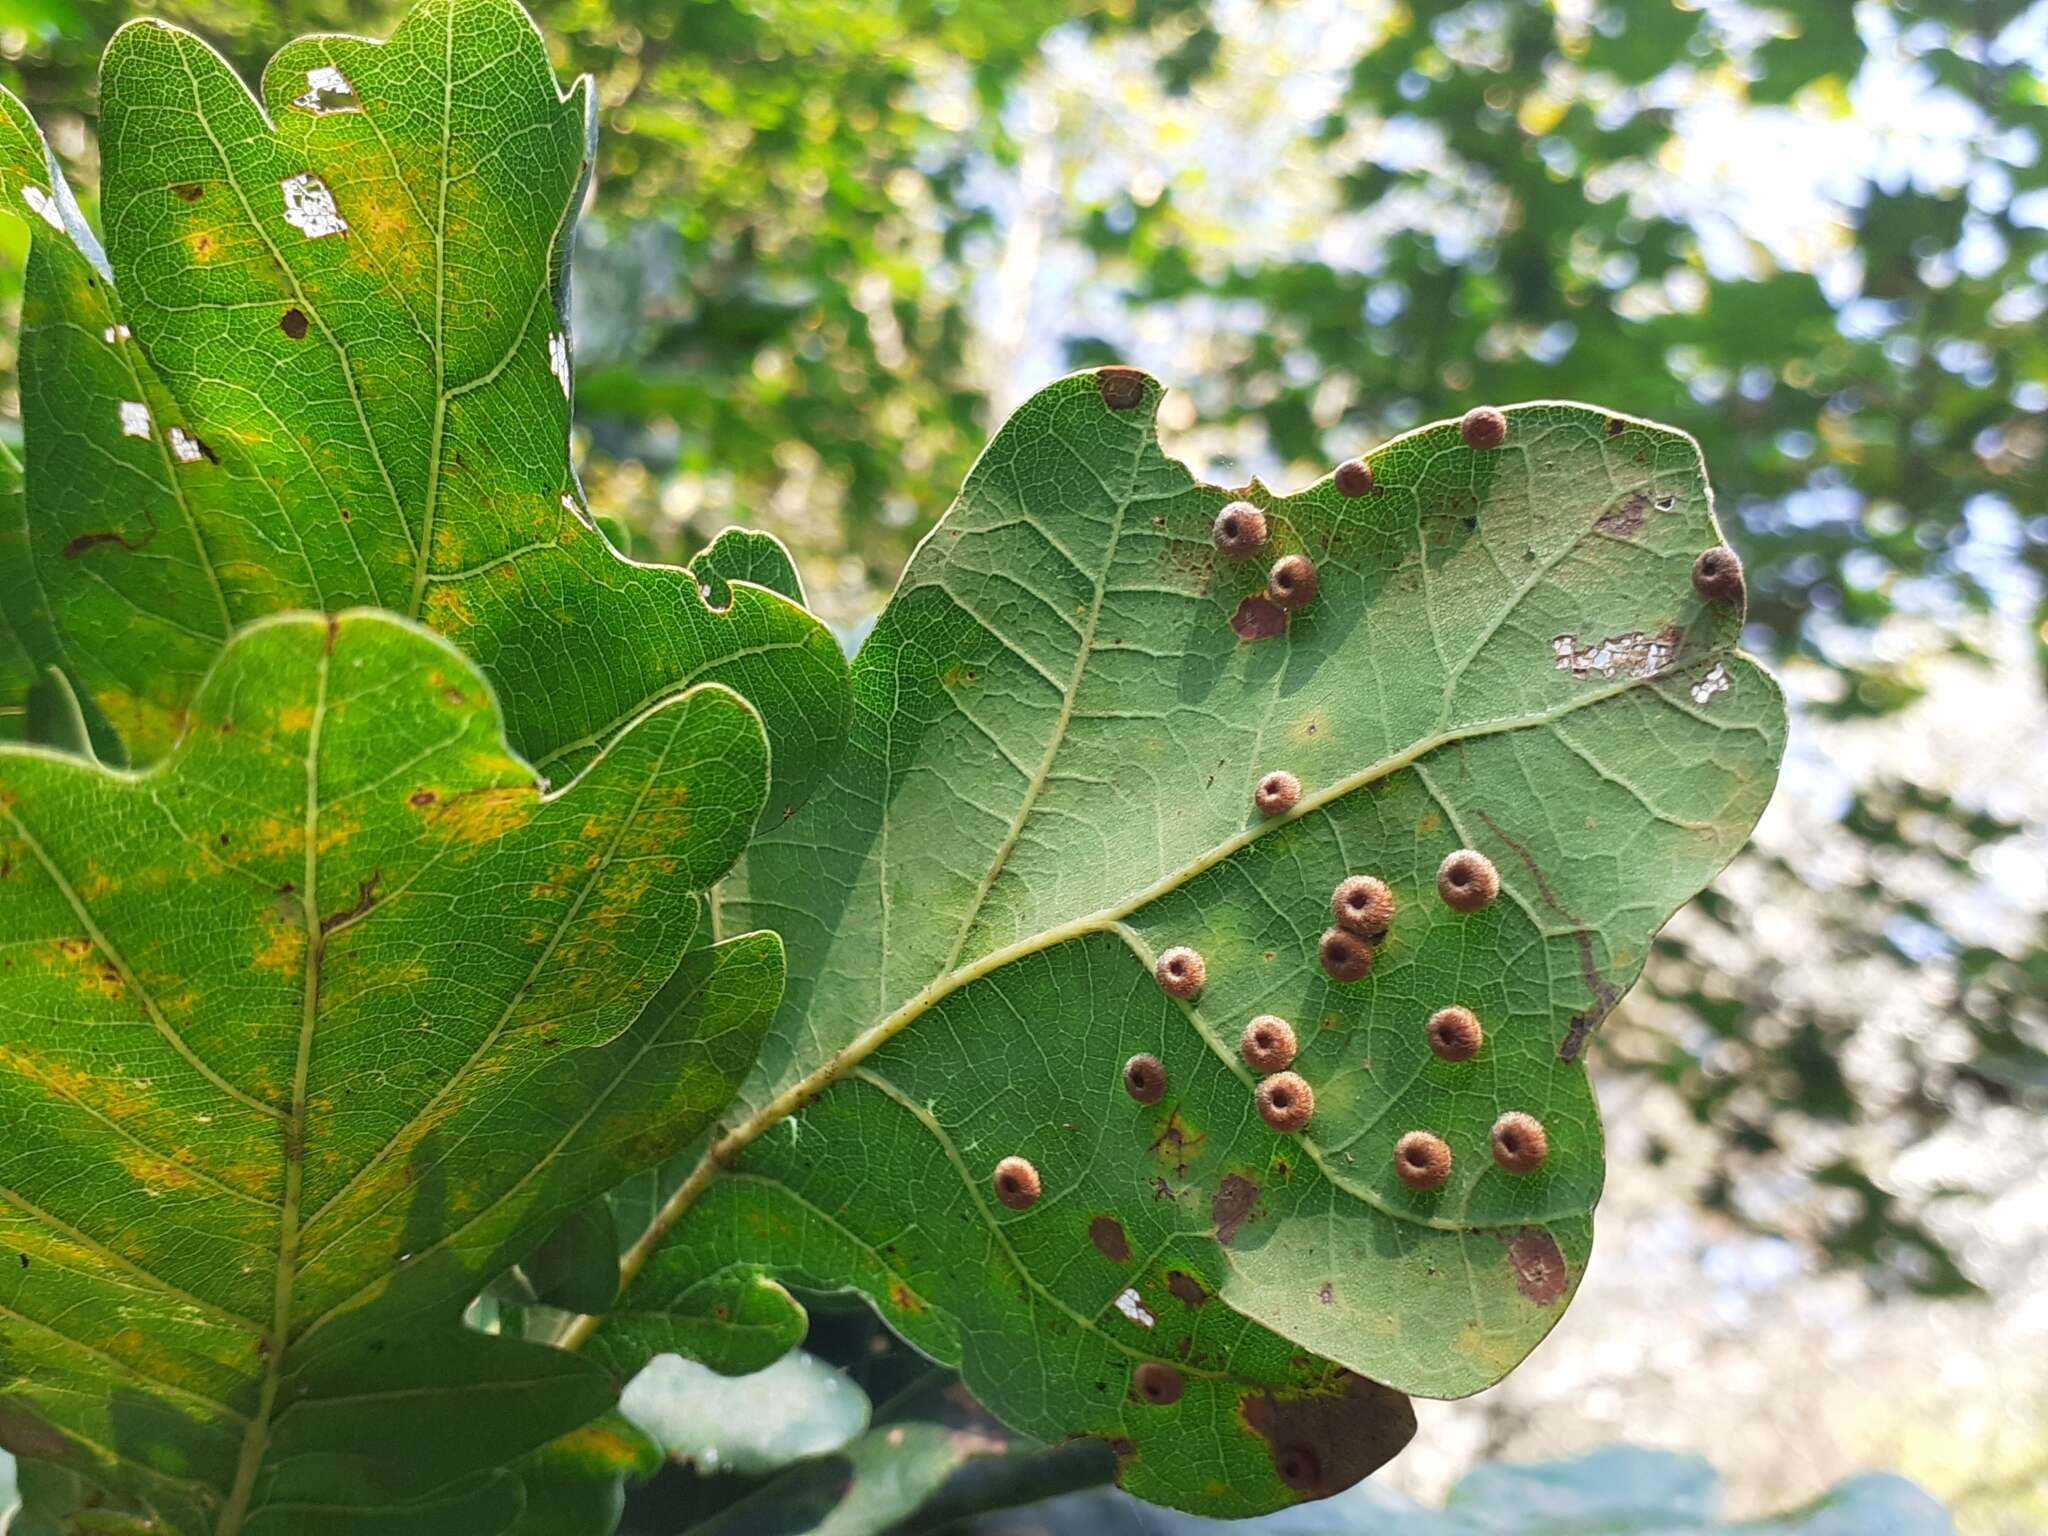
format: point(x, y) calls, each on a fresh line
point(1058, 732)
point(323, 362)
point(308, 1031)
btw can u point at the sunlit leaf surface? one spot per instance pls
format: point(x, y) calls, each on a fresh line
point(1058, 734)
point(306, 1032)
point(323, 362)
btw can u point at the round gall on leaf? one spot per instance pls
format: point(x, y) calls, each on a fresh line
point(1017, 1183)
point(1363, 905)
point(1276, 794)
point(1181, 972)
point(1422, 1161)
point(1157, 1383)
point(1520, 1143)
point(1145, 1079)
point(1717, 575)
point(1467, 881)
point(1345, 956)
point(1285, 1101)
point(1454, 1034)
point(1240, 531)
point(1483, 427)
point(1354, 478)
point(1268, 1044)
point(1292, 582)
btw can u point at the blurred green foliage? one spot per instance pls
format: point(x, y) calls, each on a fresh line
point(783, 285)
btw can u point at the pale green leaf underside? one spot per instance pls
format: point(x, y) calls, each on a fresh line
point(1056, 738)
point(309, 1030)
point(323, 363)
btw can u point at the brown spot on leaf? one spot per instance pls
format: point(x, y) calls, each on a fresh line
point(1234, 1200)
point(1615, 426)
point(1354, 478)
point(188, 191)
point(1625, 517)
point(1157, 1383)
point(1324, 1442)
point(24, 1436)
point(1122, 388)
point(1541, 1273)
point(293, 323)
point(86, 541)
point(1186, 1287)
point(1107, 1234)
point(420, 797)
point(1258, 617)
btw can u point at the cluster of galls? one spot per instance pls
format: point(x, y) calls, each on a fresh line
point(1240, 533)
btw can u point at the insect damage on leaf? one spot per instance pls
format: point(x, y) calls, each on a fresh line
point(1483, 427)
point(1268, 1043)
point(1520, 1144)
point(1344, 955)
point(1717, 575)
point(1292, 582)
point(1467, 881)
point(1353, 478)
point(1285, 1100)
point(1181, 972)
point(1422, 1160)
point(1277, 793)
point(253, 988)
point(1364, 905)
point(1240, 531)
point(1016, 1182)
point(1145, 1079)
point(1454, 1034)
point(408, 357)
point(980, 905)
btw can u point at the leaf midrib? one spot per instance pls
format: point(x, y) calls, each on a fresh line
point(256, 1438)
point(722, 1152)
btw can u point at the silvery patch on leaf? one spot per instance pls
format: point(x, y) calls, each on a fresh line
point(134, 419)
point(44, 204)
point(1132, 1305)
point(1716, 681)
point(327, 92)
point(185, 447)
point(309, 207)
point(558, 360)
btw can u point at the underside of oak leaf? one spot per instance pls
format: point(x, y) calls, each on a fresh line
point(1505, 689)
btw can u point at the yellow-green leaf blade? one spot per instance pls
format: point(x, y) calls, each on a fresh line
point(312, 1028)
